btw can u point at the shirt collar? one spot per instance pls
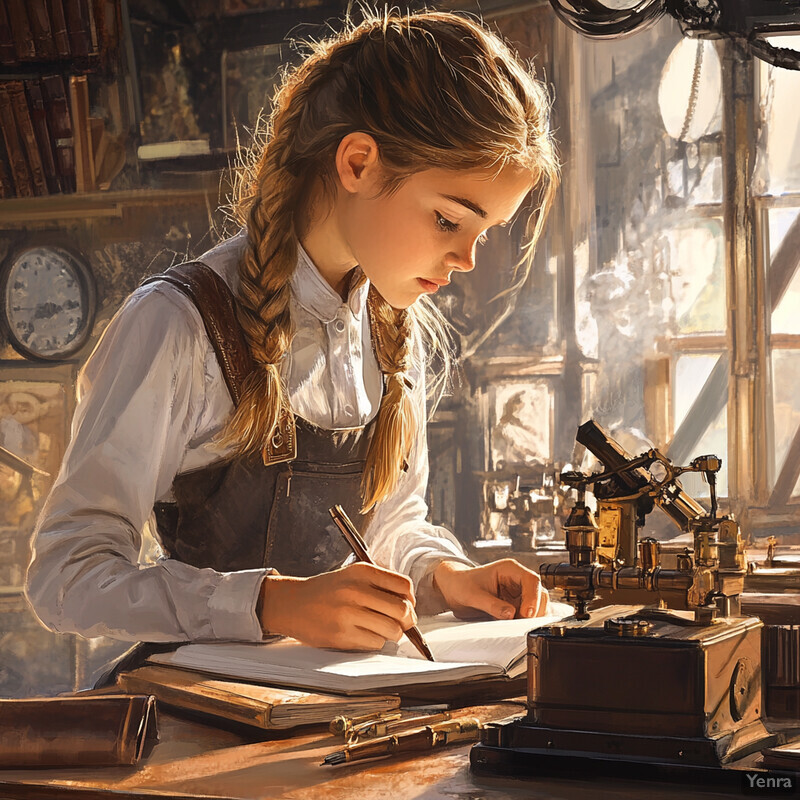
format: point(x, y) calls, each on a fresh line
point(316, 295)
point(224, 258)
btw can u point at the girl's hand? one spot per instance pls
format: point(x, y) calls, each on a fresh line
point(503, 589)
point(357, 607)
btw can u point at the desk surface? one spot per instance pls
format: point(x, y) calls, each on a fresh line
point(198, 760)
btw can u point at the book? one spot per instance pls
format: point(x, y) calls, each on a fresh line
point(40, 27)
point(260, 706)
point(464, 652)
point(6, 185)
point(8, 52)
point(23, 184)
point(44, 141)
point(176, 149)
point(88, 11)
point(109, 160)
point(100, 730)
point(81, 133)
point(58, 25)
point(59, 123)
point(21, 30)
point(107, 30)
point(76, 13)
point(19, 104)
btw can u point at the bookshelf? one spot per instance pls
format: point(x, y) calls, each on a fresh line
point(50, 53)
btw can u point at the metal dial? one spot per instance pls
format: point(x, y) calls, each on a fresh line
point(48, 302)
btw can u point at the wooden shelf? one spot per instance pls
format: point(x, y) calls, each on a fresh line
point(92, 205)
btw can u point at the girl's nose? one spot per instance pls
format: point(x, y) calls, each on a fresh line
point(463, 261)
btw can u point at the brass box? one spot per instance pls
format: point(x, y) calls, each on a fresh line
point(677, 680)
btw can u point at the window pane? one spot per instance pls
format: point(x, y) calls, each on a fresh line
point(785, 317)
point(691, 373)
point(785, 403)
point(778, 160)
point(697, 277)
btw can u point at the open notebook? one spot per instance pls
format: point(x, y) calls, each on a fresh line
point(464, 651)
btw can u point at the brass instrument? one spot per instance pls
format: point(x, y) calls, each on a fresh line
point(608, 553)
point(674, 683)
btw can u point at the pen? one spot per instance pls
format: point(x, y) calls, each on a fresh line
point(359, 547)
point(344, 725)
point(387, 727)
point(429, 737)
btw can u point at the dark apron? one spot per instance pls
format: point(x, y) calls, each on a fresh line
point(239, 514)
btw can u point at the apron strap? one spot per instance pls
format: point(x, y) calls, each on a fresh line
point(215, 302)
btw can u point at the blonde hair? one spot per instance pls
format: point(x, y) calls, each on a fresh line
point(432, 89)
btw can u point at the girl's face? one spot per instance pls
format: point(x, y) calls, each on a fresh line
point(411, 241)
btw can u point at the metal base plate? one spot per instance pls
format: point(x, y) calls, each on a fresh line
point(499, 762)
point(518, 749)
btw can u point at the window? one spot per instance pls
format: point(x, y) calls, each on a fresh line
point(777, 184)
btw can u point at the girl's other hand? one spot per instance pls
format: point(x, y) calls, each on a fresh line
point(503, 589)
point(357, 607)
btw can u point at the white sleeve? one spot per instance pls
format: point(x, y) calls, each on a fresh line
point(139, 398)
point(399, 535)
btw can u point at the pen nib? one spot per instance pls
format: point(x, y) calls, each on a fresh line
point(338, 757)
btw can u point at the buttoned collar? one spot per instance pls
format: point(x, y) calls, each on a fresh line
point(309, 288)
point(317, 296)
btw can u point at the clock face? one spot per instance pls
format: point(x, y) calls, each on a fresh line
point(48, 302)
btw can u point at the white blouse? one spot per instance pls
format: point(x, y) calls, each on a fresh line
point(151, 399)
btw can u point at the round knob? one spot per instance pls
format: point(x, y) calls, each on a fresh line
point(627, 626)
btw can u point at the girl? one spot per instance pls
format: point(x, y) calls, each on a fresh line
point(233, 400)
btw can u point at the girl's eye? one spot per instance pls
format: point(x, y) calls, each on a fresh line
point(445, 224)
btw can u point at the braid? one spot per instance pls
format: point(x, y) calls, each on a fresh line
point(432, 89)
point(396, 423)
point(265, 272)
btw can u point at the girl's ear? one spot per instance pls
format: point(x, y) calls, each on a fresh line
point(357, 162)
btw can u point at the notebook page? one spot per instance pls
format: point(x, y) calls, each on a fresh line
point(499, 641)
point(290, 663)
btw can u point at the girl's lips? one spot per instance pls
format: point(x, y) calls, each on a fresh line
point(428, 286)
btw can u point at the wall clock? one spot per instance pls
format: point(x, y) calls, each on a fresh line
point(48, 302)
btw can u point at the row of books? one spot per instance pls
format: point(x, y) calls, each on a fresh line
point(36, 30)
point(49, 142)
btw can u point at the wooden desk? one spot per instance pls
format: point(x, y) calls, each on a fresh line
point(197, 760)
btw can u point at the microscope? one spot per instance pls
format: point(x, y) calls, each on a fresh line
point(671, 683)
point(608, 553)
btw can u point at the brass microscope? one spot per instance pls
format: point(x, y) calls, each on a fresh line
point(672, 683)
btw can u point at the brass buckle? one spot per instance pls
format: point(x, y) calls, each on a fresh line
point(282, 445)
